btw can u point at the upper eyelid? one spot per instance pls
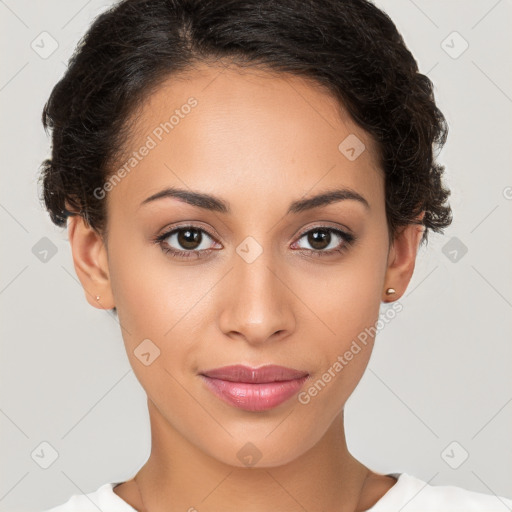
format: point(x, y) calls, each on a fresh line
point(168, 232)
point(336, 229)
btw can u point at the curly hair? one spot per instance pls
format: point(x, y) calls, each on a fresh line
point(349, 47)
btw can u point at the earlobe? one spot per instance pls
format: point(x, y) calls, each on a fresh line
point(401, 261)
point(90, 262)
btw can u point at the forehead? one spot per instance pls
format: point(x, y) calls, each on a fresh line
point(220, 129)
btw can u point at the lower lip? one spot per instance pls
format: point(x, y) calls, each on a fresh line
point(254, 397)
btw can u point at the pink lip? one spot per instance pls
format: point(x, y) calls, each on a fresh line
point(254, 389)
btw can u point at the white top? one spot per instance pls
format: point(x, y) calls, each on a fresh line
point(409, 494)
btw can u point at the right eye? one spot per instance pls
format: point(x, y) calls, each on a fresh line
point(185, 242)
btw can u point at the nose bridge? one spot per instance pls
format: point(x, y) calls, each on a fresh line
point(253, 275)
point(256, 305)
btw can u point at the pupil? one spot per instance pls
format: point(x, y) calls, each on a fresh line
point(189, 238)
point(318, 238)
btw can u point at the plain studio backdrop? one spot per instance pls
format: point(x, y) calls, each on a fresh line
point(436, 399)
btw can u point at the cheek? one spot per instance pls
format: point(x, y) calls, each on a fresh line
point(347, 296)
point(144, 282)
point(136, 286)
point(343, 355)
point(149, 309)
point(348, 306)
point(159, 301)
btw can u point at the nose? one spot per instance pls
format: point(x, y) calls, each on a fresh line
point(258, 305)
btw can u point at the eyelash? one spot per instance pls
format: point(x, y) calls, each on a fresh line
point(348, 238)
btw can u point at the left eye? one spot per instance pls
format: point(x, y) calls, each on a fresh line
point(321, 240)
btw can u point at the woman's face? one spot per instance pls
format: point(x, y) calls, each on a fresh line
point(261, 281)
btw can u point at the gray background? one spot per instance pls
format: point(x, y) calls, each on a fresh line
point(440, 371)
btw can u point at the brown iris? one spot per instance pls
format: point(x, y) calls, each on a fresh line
point(190, 238)
point(318, 237)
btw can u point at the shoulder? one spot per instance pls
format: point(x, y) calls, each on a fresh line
point(103, 498)
point(413, 494)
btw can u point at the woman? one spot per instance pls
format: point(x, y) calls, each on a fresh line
point(244, 183)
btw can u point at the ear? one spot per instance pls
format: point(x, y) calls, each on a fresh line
point(402, 259)
point(91, 263)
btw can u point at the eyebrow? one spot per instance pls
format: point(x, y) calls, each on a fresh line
point(213, 203)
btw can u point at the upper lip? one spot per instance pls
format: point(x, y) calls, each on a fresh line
point(267, 373)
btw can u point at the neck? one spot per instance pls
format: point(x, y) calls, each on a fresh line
point(180, 476)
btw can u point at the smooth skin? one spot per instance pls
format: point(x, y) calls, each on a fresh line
point(258, 141)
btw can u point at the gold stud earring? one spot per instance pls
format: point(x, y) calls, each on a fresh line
point(390, 291)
